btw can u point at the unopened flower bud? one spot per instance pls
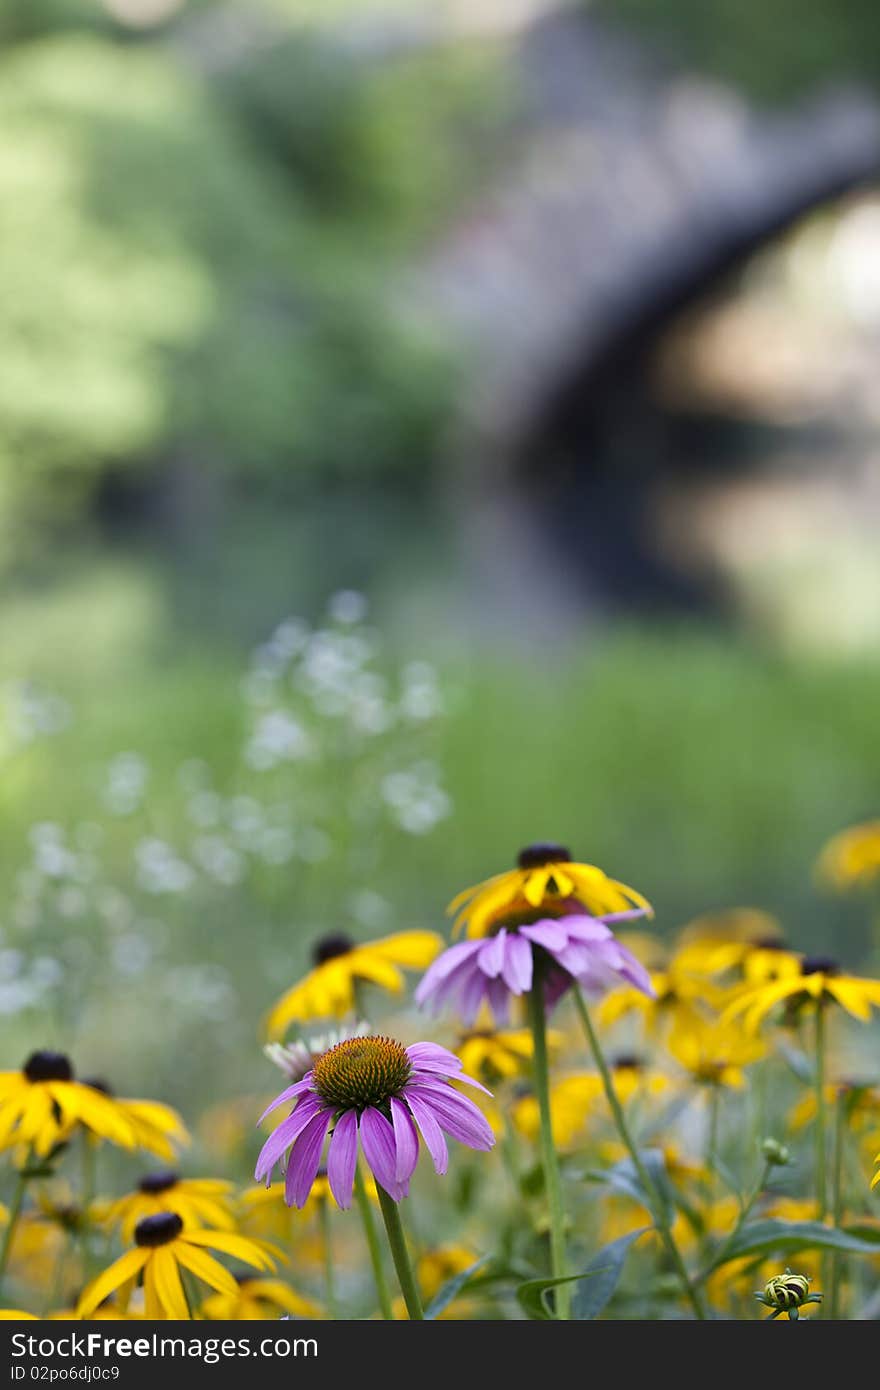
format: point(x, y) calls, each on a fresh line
point(776, 1153)
point(786, 1293)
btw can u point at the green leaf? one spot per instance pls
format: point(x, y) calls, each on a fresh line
point(727, 1177)
point(531, 1293)
point(802, 1065)
point(765, 1237)
point(623, 1177)
point(590, 1301)
point(450, 1290)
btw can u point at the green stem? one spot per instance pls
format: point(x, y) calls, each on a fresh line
point(188, 1294)
point(510, 1155)
point(400, 1254)
point(757, 1128)
point(550, 1159)
point(745, 1213)
point(657, 1205)
point(54, 1299)
point(329, 1276)
point(89, 1169)
point(837, 1202)
point(14, 1213)
point(363, 1202)
point(712, 1142)
point(821, 1196)
point(89, 1187)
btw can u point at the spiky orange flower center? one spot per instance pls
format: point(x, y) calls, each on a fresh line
point(362, 1071)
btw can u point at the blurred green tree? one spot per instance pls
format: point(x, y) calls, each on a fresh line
point(173, 290)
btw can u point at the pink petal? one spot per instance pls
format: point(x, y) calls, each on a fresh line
point(305, 1159)
point(450, 960)
point(432, 1056)
point(517, 969)
point(406, 1140)
point(285, 1135)
point(380, 1150)
point(431, 1131)
point(292, 1091)
point(455, 1113)
point(342, 1158)
point(551, 935)
point(491, 957)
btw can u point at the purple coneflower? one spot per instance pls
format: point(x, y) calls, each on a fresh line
point(382, 1094)
point(572, 946)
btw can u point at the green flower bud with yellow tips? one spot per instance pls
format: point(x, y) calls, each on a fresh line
point(786, 1293)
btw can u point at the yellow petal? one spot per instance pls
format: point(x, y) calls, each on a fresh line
point(378, 971)
point(466, 894)
point(239, 1247)
point(564, 885)
point(167, 1281)
point(536, 885)
point(206, 1268)
point(310, 998)
point(126, 1267)
point(195, 1210)
point(415, 950)
point(91, 1108)
point(851, 996)
point(284, 1297)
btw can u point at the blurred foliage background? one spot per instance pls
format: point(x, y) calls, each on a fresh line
point(219, 407)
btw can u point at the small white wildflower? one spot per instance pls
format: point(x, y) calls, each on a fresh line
point(348, 606)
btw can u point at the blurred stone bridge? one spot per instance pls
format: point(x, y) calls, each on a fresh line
point(631, 190)
point(622, 190)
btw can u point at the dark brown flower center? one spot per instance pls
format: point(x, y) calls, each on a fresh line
point(154, 1183)
point(819, 965)
point(362, 1071)
point(48, 1066)
point(536, 856)
point(337, 944)
point(629, 1061)
point(160, 1229)
point(98, 1083)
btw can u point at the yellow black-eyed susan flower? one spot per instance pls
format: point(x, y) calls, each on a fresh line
point(746, 939)
point(851, 859)
point(257, 1299)
point(499, 1055)
point(545, 880)
point(861, 1100)
point(715, 1053)
point(262, 1211)
point(680, 999)
point(41, 1104)
point(199, 1202)
point(157, 1128)
point(328, 990)
point(162, 1248)
point(572, 1098)
point(818, 981)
